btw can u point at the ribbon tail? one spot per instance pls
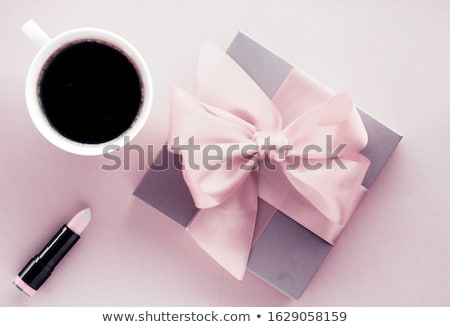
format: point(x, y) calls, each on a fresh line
point(225, 232)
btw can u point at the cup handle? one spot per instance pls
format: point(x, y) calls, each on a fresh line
point(35, 34)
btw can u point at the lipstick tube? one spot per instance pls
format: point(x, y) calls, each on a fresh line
point(41, 266)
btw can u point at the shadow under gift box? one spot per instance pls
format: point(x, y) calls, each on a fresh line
point(284, 254)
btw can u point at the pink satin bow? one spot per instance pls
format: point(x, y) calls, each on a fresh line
point(230, 113)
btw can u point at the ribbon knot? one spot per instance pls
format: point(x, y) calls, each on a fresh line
point(273, 145)
point(230, 112)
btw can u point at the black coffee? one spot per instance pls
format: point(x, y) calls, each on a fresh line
point(90, 92)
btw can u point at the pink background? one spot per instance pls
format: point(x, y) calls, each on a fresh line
point(392, 57)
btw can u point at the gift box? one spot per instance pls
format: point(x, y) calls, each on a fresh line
point(283, 251)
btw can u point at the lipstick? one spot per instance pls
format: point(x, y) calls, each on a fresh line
point(41, 266)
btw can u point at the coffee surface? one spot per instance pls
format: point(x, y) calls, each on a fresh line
point(90, 92)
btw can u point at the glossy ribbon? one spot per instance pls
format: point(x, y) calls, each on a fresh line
point(227, 123)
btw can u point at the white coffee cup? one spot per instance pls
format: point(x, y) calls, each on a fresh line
point(48, 47)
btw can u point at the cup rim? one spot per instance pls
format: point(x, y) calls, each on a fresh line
point(34, 107)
